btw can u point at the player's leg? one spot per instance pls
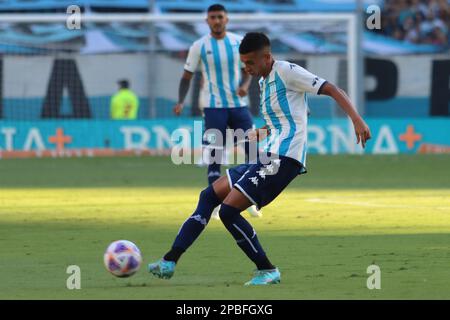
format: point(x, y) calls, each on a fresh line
point(215, 119)
point(241, 118)
point(259, 185)
point(241, 230)
point(209, 198)
point(246, 237)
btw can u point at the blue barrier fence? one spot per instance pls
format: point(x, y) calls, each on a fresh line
point(324, 136)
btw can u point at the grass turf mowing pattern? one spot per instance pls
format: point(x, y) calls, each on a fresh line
point(322, 232)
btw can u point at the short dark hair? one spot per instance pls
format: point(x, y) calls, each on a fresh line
point(253, 41)
point(216, 7)
point(124, 83)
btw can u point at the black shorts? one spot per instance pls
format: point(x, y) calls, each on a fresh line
point(221, 118)
point(262, 183)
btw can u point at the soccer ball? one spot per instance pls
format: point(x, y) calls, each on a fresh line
point(122, 258)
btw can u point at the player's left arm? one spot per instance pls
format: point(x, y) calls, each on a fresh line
point(301, 80)
point(245, 84)
point(362, 130)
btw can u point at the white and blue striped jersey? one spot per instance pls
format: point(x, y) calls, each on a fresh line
point(221, 69)
point(284, 107)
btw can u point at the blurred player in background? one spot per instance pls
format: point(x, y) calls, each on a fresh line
point(283, 104)
point(125, 103)
point(225, 86)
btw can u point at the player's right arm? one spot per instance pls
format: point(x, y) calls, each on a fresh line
point(183, 89)
point(304, 81)
point(190, 66)
point(362, 130)
point(245, 84)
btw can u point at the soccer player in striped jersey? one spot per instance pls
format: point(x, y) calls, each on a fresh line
point(284, 107)
point(225, 87)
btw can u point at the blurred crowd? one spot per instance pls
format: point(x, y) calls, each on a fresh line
point(417, 21)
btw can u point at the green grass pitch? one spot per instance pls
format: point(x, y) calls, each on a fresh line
point(323, 232)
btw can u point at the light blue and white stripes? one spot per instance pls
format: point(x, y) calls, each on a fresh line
point(212, 100)
point(221, 69)
point(285, 113)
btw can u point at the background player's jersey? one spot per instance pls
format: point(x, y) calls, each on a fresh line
point(284, 107)
point(221, 69)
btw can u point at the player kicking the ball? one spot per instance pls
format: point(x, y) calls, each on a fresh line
point(283, 105)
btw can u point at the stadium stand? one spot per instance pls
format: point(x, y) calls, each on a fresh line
point(417, 21)
point(407, 26)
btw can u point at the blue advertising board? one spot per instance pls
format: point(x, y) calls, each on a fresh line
point(93, 137)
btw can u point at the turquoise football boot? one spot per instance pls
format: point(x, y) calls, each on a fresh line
point(263, 277)
point(162, 269)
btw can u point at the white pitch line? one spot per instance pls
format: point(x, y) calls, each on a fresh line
point(372, 205)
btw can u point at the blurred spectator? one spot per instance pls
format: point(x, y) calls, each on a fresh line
point(125, 103)
point(417, 21)
point(413, 31)
point(438, 37)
